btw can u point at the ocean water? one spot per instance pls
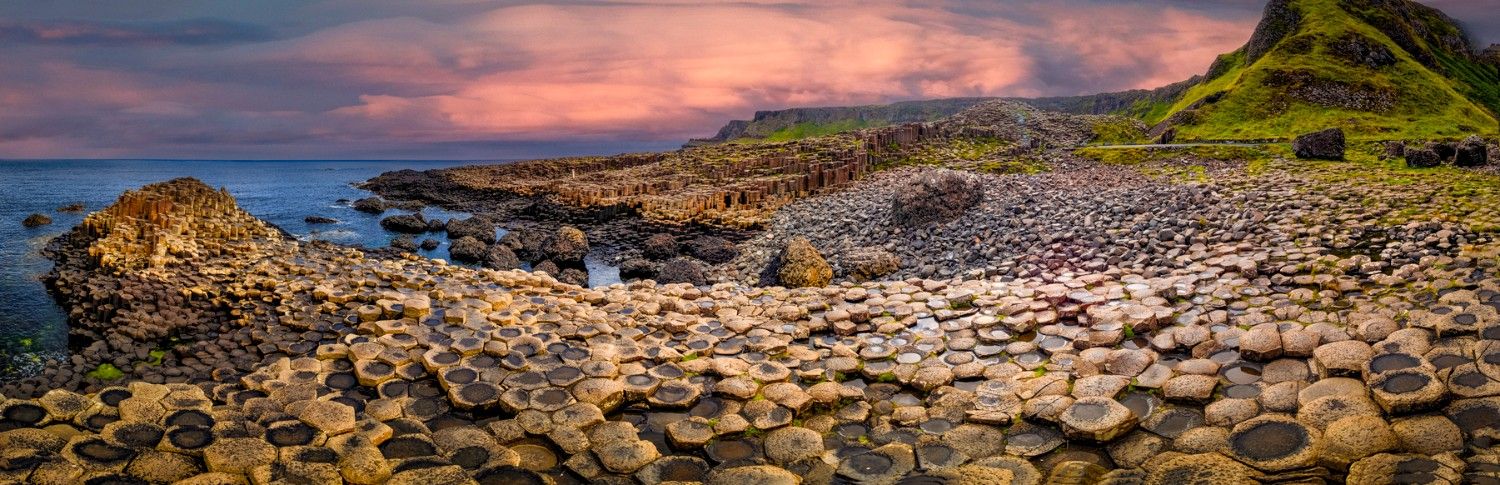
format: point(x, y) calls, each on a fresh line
point(32, 326)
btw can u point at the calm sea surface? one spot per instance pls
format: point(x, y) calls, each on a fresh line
point(33, 327)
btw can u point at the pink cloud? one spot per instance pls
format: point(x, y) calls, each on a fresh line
point(630, 71)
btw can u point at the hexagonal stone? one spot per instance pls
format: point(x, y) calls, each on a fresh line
point(328, 416)
point(238, 455)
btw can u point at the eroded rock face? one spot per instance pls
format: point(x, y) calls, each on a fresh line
point(801, 266)
point(935, 197)
point(1320, 145)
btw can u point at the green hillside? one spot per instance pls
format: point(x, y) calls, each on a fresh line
point(1376, 68)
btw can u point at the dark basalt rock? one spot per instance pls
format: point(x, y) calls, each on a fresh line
point(319, 220)
point(1471, 152)
point(430, 244)
point(371, 205)
point(501, 257)
point(567, 247)
point(1422, 158)
point(407, 223)
point(660, 247)
point(637, 269)
point(681, 270)
point(1359, 50)
point(468, 249)
point(1444, 151)
point(1321, 145)
point(25, 413)
point(475, 227)
point(190, 417)
point(934, 198)
point(712, 249)
point(36, 220)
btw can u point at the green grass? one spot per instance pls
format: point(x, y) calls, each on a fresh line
point(106, 372)
point(1122, 131)
point(811, 129)
point(1141, 155)
point(1427, 104)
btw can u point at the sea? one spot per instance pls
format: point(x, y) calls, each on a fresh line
point(33, 328)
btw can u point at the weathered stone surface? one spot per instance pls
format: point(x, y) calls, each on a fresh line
point(1321, 145)
point(801, 266)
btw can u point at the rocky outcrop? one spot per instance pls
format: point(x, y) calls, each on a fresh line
point(1320, 145)
point(660, 247)
point(800, 265)
point(766, 122)
point(405, 223)
point(320, 220)
point(475, 227)
point(371, 205)
point(1279, 19)
point(36, 220)
point(934, 198)
point(468, 249)
point(568, 245)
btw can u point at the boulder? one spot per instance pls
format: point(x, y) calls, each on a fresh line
point(1394, 150)
point(1320, 145)
point(1422, 158)
point(319, 220)
point(500, 257)
point(568, 246)
point(712, 249)
point(468, 250)
point(1443, 150)
point(801, 266)
point(407, 223)
point(475, 227)
point(865, 264)
point(526, 243)
point(1471, 153)
point(574, 276)
point(371, 205)
point(71, 208)
point(680, 270)
point(659, 247)
point(546, 267)
point(935, 197)
point(404, 243)
point(36, 220)
point(637, 269)
point(430, 244)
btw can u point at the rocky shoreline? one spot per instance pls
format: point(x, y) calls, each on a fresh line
point(1198, 325)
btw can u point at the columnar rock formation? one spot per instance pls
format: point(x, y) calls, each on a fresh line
point(313, 363)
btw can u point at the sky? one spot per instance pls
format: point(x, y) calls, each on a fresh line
point(499, 79)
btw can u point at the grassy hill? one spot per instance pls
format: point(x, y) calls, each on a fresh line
point(1377, 68)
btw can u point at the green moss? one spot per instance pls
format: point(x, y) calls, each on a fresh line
point(887, 377)
point(26, 342)
point(689, 357)
point(106, 372)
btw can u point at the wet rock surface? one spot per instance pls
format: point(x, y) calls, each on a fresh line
point(1095, 324)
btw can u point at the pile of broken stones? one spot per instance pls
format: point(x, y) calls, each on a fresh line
point(299, 362)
